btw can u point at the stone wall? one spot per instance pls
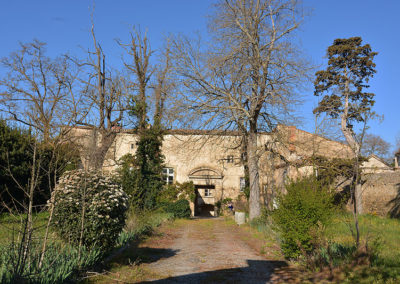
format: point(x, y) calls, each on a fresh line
point(212, 159)
point(380, 192)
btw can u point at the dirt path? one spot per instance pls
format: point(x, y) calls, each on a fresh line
point(206, 251)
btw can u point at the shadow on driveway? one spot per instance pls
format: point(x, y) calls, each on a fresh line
point(257, 271)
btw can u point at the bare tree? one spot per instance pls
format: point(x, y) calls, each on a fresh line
point(374, 144)
point(139, 51)
point(38, 91)
point(247, 77)
point(105, 104)
point(163, 85)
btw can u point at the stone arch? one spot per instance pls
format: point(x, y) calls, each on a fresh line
point(205, 173)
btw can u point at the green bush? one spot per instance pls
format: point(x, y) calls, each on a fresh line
point(305, 208)
point(222, 206)
point(169, 193)
point(172, 192)
point(180, 208)
point(94, 199)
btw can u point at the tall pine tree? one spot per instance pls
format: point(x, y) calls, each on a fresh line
point(342, 85)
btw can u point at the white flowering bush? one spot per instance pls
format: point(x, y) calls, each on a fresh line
point(91, 199)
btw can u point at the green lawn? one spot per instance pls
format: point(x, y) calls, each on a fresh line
point(372, 228)
point(11, 225)
point(385, 233)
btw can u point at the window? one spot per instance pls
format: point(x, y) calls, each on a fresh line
point(229, 159)
point(132, 146)
point(207, 192)
point(242, 184)
point(168, 175)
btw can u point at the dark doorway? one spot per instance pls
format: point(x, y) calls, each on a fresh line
point(202, 205)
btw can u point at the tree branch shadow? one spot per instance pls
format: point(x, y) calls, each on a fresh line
point(257, 271)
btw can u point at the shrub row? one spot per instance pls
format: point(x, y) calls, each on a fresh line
point(179, 209)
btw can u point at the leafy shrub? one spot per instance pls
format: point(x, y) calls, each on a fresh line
point(306, 207)
point(172, 192)
point(169, 193)
point(222, 206)
point(93, 199)
point(139, 225)
point(180, 208)
point(141, 174)
point(126, 175)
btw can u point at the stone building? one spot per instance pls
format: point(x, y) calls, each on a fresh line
point(375, 165)
point(212, 160)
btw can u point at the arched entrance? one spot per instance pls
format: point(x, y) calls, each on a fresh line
point(207, 181)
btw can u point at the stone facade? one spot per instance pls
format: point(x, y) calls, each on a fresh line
point(212, 160)
point(381, 193)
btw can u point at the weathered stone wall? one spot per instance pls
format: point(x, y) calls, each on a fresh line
point(380, 191)
point(212, 158)
point(306, 144)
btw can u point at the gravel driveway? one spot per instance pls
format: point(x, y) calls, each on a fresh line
point(207, 251)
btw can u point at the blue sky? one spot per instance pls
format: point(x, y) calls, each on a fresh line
point(65, 26)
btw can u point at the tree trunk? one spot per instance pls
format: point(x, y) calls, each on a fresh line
point(358, 195)
point(98, 152)
point(254, 200)
point(355, 146)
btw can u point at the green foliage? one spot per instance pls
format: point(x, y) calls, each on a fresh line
point(94, 200)
point(55, 160)
point(349, 68)
point(137, 109)
point(125, 175)
point(169, 193)
point(172, 192)
point(167, 199)
point(180, 208)
point(61, 263)
point(330, 169)
point(335, 254)
point(187, 191)
point(141, 225)
point(306, 206)
point(222, 205)
point(142, 174)
point(16, 157)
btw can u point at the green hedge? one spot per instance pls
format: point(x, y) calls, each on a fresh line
point(180, 208)
point(305, 208)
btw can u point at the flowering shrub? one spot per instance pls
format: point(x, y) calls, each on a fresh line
point(90, 206)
